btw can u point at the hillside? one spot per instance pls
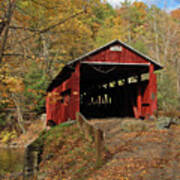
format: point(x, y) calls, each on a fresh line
point(67, 154)
point(146, 154)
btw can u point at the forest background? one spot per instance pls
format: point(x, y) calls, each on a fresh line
point(37, 38)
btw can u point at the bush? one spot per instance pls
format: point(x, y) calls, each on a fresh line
point(168, 98)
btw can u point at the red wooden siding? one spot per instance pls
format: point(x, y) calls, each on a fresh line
point(125, 56)
point(149, 101)
point(62, 111)
point(142, 95)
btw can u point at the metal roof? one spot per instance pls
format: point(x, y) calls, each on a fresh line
point(114, 63)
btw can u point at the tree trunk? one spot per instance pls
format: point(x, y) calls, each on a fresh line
point(8, 17)
point(19, 113)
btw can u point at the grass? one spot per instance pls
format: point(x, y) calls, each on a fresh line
point(70, 155)
point(136, 156)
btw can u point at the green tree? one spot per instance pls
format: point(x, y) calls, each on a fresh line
point(36, 82)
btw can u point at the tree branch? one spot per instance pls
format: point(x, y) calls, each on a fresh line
point(24, 28)
point(51, 26)
point(2, 26)
point(62, 21)
point(16, 54)
point(9, 14)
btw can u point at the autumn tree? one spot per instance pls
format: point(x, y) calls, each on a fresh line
point(176, 14)
point(155, 32)
point(34, 41)
point(38, 37)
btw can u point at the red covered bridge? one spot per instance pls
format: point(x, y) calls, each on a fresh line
point(107, 82)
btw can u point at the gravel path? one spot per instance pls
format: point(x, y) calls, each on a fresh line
point(146, 155)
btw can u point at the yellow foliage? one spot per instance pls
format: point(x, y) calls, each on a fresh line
point(13, 84)
point(6, 136)
point(10, 84)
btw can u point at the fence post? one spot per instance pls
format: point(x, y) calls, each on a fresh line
point(77, 116)
point(99, 146)
point(92, 133)
point(78, 119)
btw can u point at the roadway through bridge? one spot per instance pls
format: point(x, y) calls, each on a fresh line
point(114, 128)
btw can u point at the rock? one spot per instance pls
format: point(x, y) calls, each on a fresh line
point(163, 122)
point(133, 125)
point(176, 121)
point(43, 119)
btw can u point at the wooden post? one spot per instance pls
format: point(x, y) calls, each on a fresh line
point(91, 133)
point(74, 106)
point(88, 131)
point(79, 120)
point(139, 98)
point(99, 146)
point(126, 81)
point(151, 74)
point(125, 91)
point(31, 163)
